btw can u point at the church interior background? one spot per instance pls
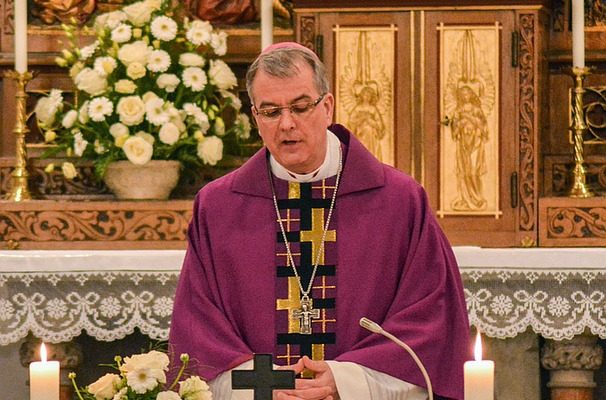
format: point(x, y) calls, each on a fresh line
point(474, 99)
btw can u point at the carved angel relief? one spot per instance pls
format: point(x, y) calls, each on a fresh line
point(470, 133)
point(53, 11)
point(365, 59)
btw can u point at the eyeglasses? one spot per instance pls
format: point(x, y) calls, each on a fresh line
point(300, 109)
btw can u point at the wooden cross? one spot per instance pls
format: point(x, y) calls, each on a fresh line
point(263, 380)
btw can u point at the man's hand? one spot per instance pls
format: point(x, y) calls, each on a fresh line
point(321, 387)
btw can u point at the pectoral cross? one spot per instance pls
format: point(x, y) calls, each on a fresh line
point(305, 314)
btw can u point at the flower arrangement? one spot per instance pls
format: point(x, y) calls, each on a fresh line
point(149, 87)
point(143, 377)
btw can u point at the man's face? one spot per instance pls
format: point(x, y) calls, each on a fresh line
point(296, 139)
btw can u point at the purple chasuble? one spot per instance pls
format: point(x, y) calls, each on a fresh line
point(393, 265)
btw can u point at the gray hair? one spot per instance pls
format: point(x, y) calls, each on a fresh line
point(282, 63)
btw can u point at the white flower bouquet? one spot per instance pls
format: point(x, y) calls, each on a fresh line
point(143, 377)
point(149, 87)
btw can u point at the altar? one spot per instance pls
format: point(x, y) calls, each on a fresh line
point(528, 297)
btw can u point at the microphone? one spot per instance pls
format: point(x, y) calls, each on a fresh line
point(376, 328)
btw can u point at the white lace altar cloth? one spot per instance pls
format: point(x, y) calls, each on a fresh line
point(56, 295)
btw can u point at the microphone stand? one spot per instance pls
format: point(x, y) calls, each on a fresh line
point(376, 328)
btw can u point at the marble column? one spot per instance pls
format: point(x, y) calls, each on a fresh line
point(571, 365)
point(69, 355)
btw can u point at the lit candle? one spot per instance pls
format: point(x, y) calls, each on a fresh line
point(20, 25)
point(44, 378)
point(578, 33)
point(479, 376)
point(267, 23)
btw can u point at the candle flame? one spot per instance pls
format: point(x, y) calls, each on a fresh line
point(477, 351)
point(43, 352)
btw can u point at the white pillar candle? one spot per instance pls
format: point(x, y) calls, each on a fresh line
point(44, 378)
point(267, 23)
point(20, 29)
point(479, 376)
point(578, 33)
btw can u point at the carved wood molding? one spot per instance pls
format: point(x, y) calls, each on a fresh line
point(568, 221)
point(527, 127)
point(46, 224)
point(558, 174)
point(8, 16)
point(307, 31)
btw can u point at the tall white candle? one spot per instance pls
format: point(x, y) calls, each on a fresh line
point(578, 33)
point(267, 23)
point(20, 25)
point(44, 378)
point(479, 376)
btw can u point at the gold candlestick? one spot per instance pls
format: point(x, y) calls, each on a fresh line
point(579, 187)
point(19, 189)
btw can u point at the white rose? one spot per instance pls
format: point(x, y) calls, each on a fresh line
point(131, 110)
point(45, 112)
point(118, 129)
point(169, 133)
point(148, 137)
point(138, 151)
point(135, 70)
point(168, 395)
point(191, 60)
point(125, 86)
point(69, 119)
point(154, 4)
point(91, 82)
point(168, 82)
point(194, 388)
point(221, 75)
point(105, 387)
point(210, 150)
point(148, 96)
point(69, 171)
point(138, 13)
point(134, 52)
point(218, 41)
point(109, 20)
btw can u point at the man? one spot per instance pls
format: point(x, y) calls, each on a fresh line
point(288, 252)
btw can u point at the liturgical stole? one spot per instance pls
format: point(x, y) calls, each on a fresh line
point(304, 209)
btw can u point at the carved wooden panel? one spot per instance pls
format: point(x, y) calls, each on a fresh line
point(527, 129)
point(46, 224)
point(572, 222)
point(307, 32)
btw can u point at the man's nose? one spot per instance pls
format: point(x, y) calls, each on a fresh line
point(287, 120)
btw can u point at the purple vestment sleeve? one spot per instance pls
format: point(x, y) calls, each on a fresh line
point(199, 324)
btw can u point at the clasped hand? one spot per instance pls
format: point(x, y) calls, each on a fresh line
point(321, 387)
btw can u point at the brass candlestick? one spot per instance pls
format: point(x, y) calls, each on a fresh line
point(579, 187)
point(19, 189)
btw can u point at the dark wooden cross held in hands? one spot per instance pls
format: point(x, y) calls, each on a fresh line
point(263, 379)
